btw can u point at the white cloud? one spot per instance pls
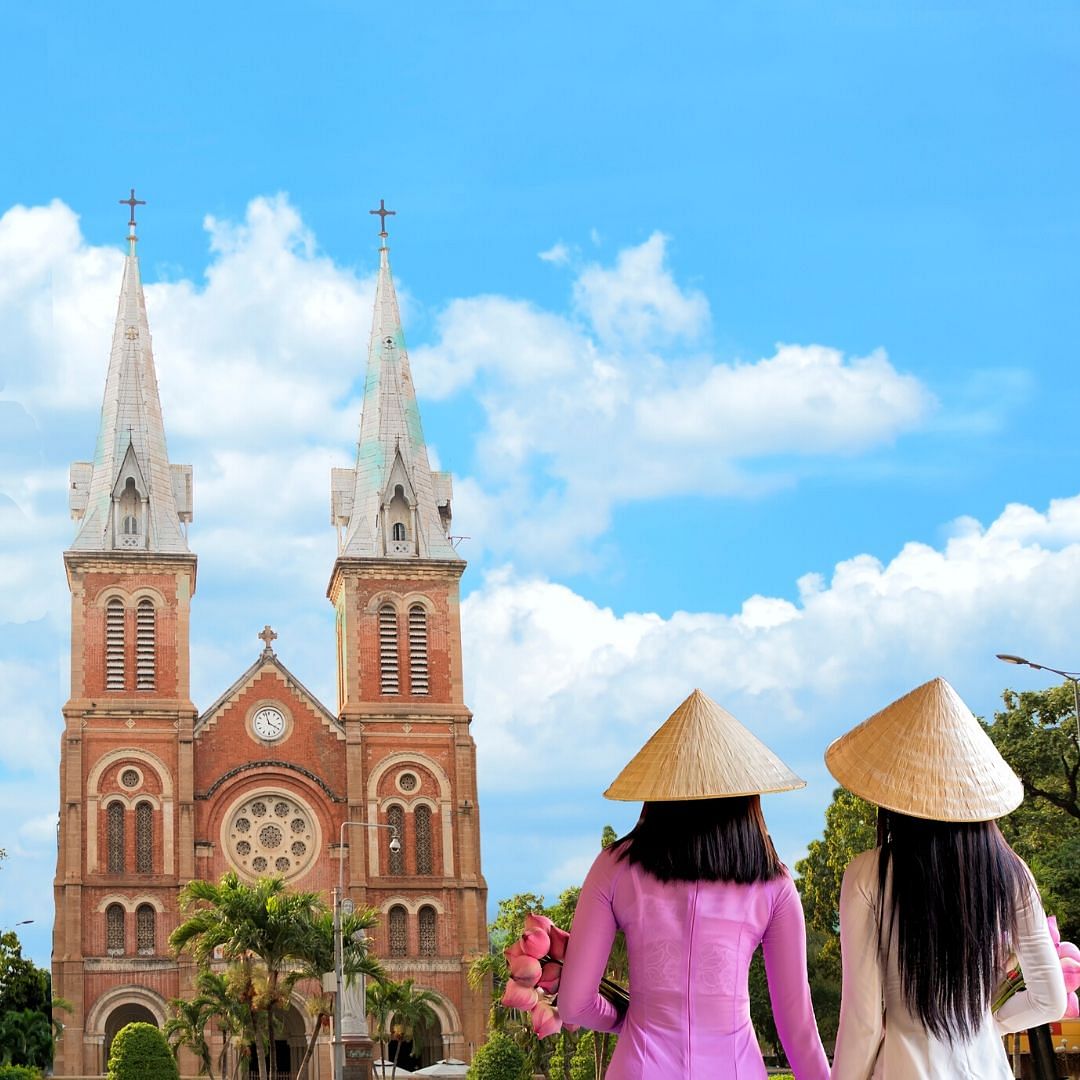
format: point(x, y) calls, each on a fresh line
point(548, 667)
point(558, 253)
point(619, 402)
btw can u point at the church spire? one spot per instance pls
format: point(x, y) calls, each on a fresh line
point(130, 497)
point(391, 503)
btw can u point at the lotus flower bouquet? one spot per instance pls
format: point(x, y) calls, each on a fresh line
point(535, 961)
point(1068, 954)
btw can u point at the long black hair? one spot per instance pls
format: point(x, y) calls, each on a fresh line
point(703, 840)
point(951, 898)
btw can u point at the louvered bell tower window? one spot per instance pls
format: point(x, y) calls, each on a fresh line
point(114, 644)
point(399, 931)
point(389, 676)
point(422, 825)
point(418, 649)
point(146, 937)
point(144, 838)
point(429, 944)
point(114, 818)
point(114, 930)
point(396, 816)
point(145, 646)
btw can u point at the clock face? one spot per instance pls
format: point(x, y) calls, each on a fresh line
point(268, 723)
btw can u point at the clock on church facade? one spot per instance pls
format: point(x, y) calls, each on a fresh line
point(155, 791)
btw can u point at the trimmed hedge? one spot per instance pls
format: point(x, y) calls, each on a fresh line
point(19, 1072)
point(498, 1059)
point(140, 1052)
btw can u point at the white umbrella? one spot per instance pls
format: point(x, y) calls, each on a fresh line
point(381, 1069)
point(450, 1069)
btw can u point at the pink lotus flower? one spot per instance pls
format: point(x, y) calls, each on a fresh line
point(559, 940)
point(550, 975)
point(513, 950)
point(536, 942)
point(1070, 968)
point(516, 996)
point(525, 970)
point(545, 1020)
point(538, 922)
point(1068, 954)
point(1068, 949)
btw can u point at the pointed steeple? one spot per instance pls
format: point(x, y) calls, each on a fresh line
point(391, 503)
point(130, 498)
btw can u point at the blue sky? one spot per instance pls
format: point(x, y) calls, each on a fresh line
point(702, 301)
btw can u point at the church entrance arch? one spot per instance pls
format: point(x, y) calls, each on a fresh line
point(289, 1047)
point(423, 1049)
point(128, 1013)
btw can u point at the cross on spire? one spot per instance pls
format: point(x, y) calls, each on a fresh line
point(132, 202)
point(383, 215)
point(266, 637)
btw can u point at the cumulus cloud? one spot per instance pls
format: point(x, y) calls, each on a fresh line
point(789, 668)
point(618, 400)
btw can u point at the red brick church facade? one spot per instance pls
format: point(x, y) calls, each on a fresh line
point(154, 792)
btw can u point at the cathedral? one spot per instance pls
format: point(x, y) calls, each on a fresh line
point(267, 779)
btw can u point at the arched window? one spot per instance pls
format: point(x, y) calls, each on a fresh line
point(429, 942)
point(396, 816)
point(115, 837)
point(389, 680)
point(398, 531)
point(422, 824)
point(114, 644)
point(145, 645)
point(145, 930)
point(131, 525)
point(144, 838)
point(398, 921)
point(114, 930)
point(418, 649)
point(129, 509)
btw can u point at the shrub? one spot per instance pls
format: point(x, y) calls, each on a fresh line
point(19, 1072)
point(498, 1059)
point(140, 1052)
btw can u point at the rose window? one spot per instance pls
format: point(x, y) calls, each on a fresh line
point(129, 778)
point(271, 834)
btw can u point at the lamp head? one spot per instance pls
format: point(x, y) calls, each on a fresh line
point(1010, 659)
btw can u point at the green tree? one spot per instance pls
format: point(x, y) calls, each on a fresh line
point(318, 960)
point(1036, 734)
point(23, 985)
point(850, 828)
point(26, 1038)
point(187, 1027)
point(263, 929)
point(412, 1012)
point(575, 1055)
point(140, 1052)
point(498, 1059)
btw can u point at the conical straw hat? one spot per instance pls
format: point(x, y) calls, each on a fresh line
point(926, 755)
point(701, 752)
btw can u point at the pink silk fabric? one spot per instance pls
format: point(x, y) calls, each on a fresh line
point(689, 946)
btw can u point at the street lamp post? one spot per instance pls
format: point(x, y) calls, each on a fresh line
point(1070, 676)
point(1040, 1042)
point(340, 902)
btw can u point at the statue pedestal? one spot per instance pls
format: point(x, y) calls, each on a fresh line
point(358, 1053)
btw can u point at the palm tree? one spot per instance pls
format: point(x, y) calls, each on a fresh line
point(399, 1010)
point(255, 926)
point(318, 960)
point(187, 1027)
point(26, 1038)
